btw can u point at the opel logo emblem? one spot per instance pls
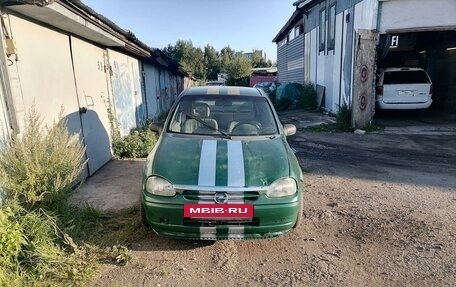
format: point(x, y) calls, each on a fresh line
point(221, 197)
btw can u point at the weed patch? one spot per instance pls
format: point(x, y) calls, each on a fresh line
point(343, 124)
point(308, 99)
point(42, 164)
point(138, 144)
point(49, 242)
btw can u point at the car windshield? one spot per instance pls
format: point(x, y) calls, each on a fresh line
point(405, 77)
point(223, 115)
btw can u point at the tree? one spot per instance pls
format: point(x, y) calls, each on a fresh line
point(212, 62)
point(258, 61)
point(206, 63)
point(226, 56)
point(189, 57)
point(238, 70)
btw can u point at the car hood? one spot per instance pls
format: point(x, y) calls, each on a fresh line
point(219, 162)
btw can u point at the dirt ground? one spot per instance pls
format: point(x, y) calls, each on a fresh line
point(380, 210)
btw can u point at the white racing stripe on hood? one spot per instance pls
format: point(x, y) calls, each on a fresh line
point(236, 173)
point(236, 177)
point(207, 166)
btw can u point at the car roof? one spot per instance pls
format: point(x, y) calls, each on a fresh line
point(223, 90)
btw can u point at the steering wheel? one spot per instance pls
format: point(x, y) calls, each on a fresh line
point(246, 128)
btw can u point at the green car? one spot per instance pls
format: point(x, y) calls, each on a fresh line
point(222, 169)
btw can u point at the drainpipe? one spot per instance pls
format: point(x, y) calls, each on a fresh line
point(5, 80)
point(341, 73)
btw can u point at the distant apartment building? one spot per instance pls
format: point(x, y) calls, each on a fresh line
point(249, 55)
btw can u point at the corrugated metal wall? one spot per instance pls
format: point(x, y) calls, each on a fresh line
point(290, 61)
point(282, 71)
point(295, 60)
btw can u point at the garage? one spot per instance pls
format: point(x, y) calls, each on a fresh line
point(420, 34)
point(431, 50)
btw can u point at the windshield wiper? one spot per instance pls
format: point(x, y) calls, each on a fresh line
point(201, 121)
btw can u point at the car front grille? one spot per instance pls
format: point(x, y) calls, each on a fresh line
point(208, 196)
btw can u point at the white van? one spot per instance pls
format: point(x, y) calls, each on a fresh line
point(403, 89)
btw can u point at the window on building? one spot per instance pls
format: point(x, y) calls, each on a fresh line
point(291, 35)
point(298, 30)
point(322, 25)
point(332, 27)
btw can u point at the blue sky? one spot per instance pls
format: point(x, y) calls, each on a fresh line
point(244, 25)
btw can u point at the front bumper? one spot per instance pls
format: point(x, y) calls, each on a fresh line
point(269, 220)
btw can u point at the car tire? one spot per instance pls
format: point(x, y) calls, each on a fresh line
point(299, 217)
point(142, 213)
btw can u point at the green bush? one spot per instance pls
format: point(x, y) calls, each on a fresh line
point(42, 163)
point(343, 116)
point(11, 241)
point(138, 144)
point(308, 100)
point(295, 95)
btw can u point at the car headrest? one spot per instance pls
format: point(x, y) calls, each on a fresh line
point(201, 110)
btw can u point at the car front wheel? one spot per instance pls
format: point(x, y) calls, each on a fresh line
point(143, 216)
point(299, 217)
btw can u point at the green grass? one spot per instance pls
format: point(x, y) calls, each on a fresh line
point(123, 227)
point(65, 248)
point(373, 128)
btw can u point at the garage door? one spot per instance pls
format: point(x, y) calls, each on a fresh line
point(93, 95)
point(152, 90)
point(126, 89)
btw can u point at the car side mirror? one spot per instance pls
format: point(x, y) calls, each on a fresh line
point(157, 127)
point(289, 129)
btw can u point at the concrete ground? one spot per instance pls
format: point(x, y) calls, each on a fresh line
point(117, 185)
point(304, 119)
point(415, 122)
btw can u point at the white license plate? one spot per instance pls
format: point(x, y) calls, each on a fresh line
point(405, 93)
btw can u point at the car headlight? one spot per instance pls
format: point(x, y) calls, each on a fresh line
point(282, 187)
point(159, 186)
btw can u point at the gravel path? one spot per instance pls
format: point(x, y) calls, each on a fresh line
point(380, 210)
